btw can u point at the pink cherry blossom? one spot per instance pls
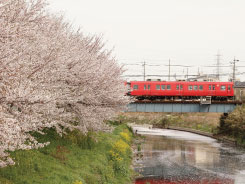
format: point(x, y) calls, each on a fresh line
point(51, 76)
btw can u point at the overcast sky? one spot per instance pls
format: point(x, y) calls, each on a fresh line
point(189, 32)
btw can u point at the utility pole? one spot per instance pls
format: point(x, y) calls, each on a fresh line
point(169, 70)
point(234, 69)
point(198, 71)
point(144, 70)
point(218, 65)
point(187, 73)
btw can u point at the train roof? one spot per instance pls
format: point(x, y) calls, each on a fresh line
point(183, 82)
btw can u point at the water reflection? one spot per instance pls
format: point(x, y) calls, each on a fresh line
point(179, 157)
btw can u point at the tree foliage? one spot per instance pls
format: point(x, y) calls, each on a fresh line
point(51, 76)
point(233, 124)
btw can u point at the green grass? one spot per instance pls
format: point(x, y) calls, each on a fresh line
point(71, 158)
point(195, 126)
point(206, 122)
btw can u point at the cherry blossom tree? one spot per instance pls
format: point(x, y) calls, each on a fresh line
point(51, 76)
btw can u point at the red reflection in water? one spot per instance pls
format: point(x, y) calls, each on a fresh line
point(162, 181)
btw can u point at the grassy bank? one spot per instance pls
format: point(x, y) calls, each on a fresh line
point(206, 122)
point(98, 158)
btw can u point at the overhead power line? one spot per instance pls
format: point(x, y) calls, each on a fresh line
point(218, 64)
point(234, 69)
point(169, 69)
point(177, 65)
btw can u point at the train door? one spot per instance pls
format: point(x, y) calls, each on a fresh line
point(229, 90)
point(214, 89)
point(211, 89)
point(179, 89)
point(147, 89)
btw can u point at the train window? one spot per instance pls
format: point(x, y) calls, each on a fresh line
point(144, 87)
point(168, 87)
point(177, 87)
point(213, 87)
point(209, 87)
point(229, 87)
point(195, 87)
point(181, 87)
point(190, 88)
point(163, 87)
point(200, 87)
point(136, 87)
point(149, 87)
point(222, 88)
point(157, 87)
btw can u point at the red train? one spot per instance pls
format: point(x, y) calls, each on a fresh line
point(201, 181)
point(180, 90)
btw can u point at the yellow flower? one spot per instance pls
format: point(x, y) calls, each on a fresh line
point(125, 136)
point(120, 146)
point(115, 156)
point(77, 182)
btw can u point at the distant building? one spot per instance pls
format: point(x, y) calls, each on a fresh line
point(205, 77)
point(239, 90)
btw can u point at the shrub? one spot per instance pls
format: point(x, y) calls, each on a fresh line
point(224, 127)
point(233, 124)
point(165, 121)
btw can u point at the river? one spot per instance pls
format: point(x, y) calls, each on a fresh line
point(177, 157)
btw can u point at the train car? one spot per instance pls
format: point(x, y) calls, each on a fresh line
point(180, 90)
point(213, 180)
